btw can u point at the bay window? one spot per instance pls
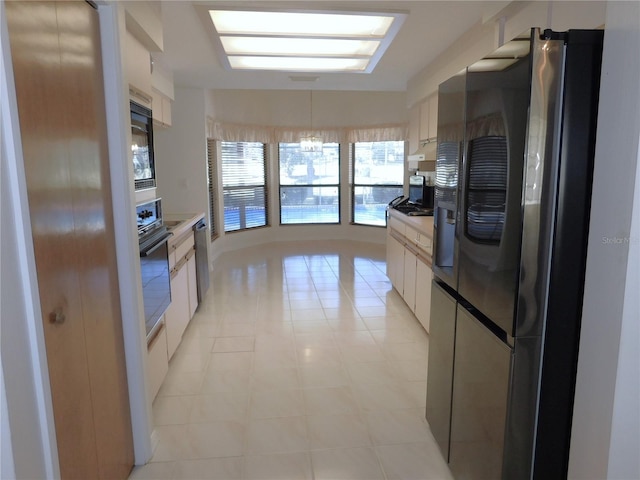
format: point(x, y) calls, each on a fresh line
point(377, 172)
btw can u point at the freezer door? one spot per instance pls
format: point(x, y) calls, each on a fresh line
point(479, 402)
point(440, 368)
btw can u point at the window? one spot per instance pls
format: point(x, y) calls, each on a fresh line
point(244, 185)
point(212, 184)
point(309, 184)
point(378, 173)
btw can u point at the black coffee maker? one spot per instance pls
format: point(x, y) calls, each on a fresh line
point(419, 192)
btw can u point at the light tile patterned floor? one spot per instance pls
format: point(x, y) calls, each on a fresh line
point(301, 363)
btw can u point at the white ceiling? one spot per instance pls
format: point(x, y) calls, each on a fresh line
point(431, 26)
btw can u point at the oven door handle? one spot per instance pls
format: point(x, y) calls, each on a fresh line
point(156, 245)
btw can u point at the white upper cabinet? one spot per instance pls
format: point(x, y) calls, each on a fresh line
point(429, 118)
point(414, 128)
point(423, 122)
point(138, 70)
point(163, 94)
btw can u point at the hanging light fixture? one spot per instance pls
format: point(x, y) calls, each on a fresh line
point(311, 143)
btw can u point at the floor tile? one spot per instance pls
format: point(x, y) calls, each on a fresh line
point(274, 379)
point(154, 471)
point(232, 361)
point(276, 403)
point(219, 406)
point(337, 431)
point(225, 381)
point(277, 435)
point(323, 376)
point(383, 396)
point(329, 401)
point(283, 466)
point(346, 464)
point(415, 461)
point(234, 344)
point(172, 410)
point(211, 468)
point(398, 426)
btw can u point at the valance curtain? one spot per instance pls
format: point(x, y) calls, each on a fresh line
point(264, 134)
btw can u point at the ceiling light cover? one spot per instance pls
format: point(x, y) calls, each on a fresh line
point(300, 24)
point(304, 41)
point(302, 46)
point(298, 64)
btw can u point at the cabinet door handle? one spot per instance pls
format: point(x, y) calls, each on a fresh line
point(57, 317)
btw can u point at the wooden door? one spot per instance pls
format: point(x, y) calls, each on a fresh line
point(57, 65)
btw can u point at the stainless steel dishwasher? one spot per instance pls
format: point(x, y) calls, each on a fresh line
point(202, 258)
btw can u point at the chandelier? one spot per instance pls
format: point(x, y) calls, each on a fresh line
point(311, 143)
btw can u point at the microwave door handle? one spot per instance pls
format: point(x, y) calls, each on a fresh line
point(155, 246)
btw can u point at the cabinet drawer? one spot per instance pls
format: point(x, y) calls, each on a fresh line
point(172, 258)
point(184, 246)
point(424, 242)
point(397, 225)
point(411, 234)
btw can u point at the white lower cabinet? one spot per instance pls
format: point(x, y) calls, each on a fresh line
point(423, 294)
point(158, 361)
point(177, 315)
point(409, 291)
point(184, 293)
point(395, 263)
point(408, 268)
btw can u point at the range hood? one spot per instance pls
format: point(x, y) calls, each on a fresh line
point(426, 151)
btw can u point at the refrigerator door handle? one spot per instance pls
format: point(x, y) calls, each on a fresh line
point(540, 181)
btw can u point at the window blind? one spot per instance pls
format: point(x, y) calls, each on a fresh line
point(309, 184)
point(212, 183)
point(244, 185)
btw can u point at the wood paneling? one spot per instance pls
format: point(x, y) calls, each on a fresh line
point(58, 74)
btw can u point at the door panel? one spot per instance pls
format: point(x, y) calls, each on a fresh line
point(57, 67)
point(440, 367)
point(39, 82)
point(479, 401)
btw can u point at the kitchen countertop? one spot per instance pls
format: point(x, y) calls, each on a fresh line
point(423, 225)
point(180, 224)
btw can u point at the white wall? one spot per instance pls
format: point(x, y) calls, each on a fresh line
point(292, 108)
point(485, 37)
point(181, 155)
point(606, 422)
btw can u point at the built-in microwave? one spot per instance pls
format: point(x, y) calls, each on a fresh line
point(142, 147)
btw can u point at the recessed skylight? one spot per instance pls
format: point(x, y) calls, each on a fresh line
point(304, 42)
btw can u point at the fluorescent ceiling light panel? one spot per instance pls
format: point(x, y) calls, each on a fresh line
point(304, 41)
point(298, 64)
point(300, 46)
point(300, 24)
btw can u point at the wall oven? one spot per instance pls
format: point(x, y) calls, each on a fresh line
point(154, 264)
point(142, 147)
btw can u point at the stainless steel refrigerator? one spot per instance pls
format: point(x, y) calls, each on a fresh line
point(516, 135)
